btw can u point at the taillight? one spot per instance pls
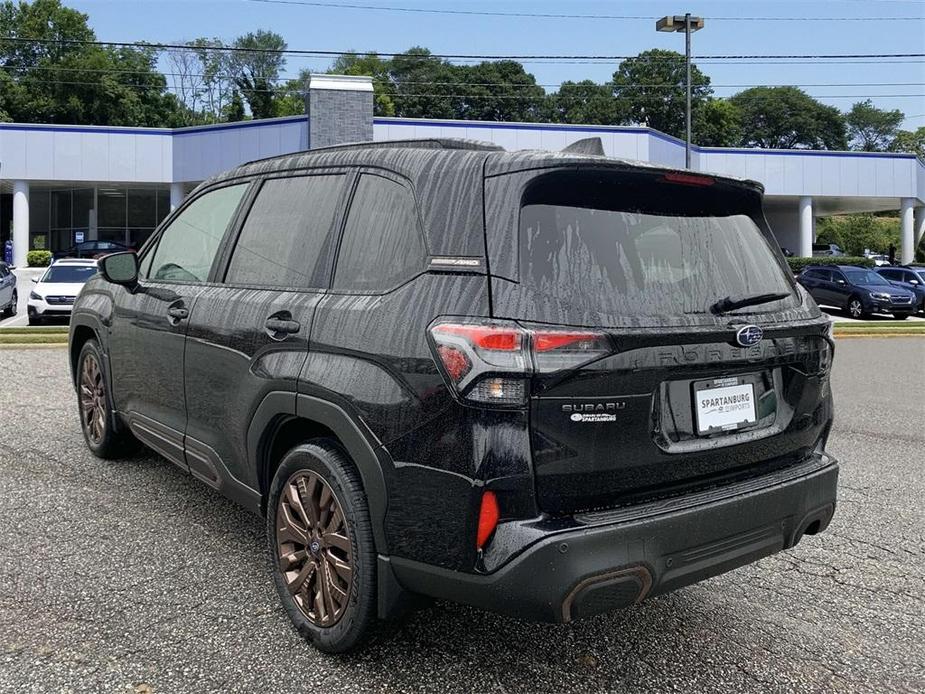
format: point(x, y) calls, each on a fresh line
point(688, 179)
point(488, 361)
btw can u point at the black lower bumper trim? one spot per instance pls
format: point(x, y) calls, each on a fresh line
point(579, 572)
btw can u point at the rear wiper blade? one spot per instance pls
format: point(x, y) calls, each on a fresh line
point(731, 304)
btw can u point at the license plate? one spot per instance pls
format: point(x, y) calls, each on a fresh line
point(724, 407)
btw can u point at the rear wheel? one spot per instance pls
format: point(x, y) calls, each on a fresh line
point(96, 417)
point(321, 548)
point(856, 308)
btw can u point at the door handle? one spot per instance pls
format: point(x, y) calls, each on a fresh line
point(279, 325)
point(177, 313)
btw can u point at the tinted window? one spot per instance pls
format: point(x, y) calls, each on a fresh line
point(3, 271)
point(587, 260)
point(69, 274)
point(382, 244)
point(187, 247)
point(286, 239)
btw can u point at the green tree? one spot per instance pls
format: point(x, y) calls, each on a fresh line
point(717, 123)
point(256, 63)
point(425, 86)
point(234, 110)
point(872, 129)
point(498, 91)
point(55, 80)
point(856, 233)
point(788, 118)
point(910, 141)
point(371, 65)
point(584, 102)
point(652, 87)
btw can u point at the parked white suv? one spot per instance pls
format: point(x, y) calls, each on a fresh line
point(54, 292)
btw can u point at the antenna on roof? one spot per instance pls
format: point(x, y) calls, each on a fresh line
point(589, 145)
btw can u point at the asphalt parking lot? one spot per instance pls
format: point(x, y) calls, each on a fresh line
point(129, 576)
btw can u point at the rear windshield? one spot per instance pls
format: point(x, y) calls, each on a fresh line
point(69, 274)
point(590, 253)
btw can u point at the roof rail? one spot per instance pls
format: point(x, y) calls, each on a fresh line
point(424, 143)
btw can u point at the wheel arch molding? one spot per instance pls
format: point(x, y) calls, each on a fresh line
point(296, 418)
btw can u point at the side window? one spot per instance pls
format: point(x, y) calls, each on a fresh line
point(382, 244)
point(286, 240)
point(187, 247)
point(837, 275)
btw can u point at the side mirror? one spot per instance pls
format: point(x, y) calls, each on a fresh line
point(35, 280)
point(841, 282)
point(120, 268)
point(914, 282)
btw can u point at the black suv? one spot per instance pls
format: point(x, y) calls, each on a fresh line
point(547, 384)
point(859, 291)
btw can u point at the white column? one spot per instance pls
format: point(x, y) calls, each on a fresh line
point(918, 223)
point(176, 195)
point(807, 227)
point(20, 222)
point(905, 230)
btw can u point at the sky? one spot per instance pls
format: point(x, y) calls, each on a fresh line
point(732, 27)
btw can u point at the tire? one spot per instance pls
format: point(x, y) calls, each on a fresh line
point(10, 310)
point(856, 308)
point(35, 320)
point(97, 421)
point(901, 316)
point(298, 492)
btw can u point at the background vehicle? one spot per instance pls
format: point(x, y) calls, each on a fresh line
point(8, 295)
point(55, 291)
point(880, 260)
point(910, 278)
point(595, 420)
point(827, 249)
point(857, 290)
point(91, 249)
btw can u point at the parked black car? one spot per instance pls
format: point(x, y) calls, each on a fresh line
point(547, 384)
point(857, 290)
point(909, 277)
point(91, 249)
point(9, 299)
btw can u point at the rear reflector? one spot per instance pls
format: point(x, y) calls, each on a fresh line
point(488, 518)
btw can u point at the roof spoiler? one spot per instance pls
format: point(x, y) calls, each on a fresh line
point(588, 145)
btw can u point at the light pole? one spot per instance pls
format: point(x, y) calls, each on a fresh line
point(688, 25)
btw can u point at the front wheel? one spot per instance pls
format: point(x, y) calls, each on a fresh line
point(321, 550)
point(34, 320)
point(96, 417)
point(900, 316)
point(856, 308)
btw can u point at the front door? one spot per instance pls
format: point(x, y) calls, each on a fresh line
point(150, 321)
point(249, 334)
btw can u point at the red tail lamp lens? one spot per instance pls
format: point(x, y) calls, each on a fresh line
point(486, 336)
point(688, 179)
point(455, 362)
point(488, 517)
point(546, 342)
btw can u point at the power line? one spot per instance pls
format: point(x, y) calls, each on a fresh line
point(550, 15)
point(458, 56)
point(557, 85)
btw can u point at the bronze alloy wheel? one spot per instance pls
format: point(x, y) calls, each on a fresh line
point(313, 548)
point(92, 400)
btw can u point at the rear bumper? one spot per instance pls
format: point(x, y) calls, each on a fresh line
point(618, 559)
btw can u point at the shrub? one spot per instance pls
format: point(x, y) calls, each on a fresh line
point(857, 232)
point(797, 264)
point(38, 258)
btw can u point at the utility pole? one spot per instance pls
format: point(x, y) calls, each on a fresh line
point(688, 25)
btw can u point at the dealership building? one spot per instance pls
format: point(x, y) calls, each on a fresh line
point(60, 184)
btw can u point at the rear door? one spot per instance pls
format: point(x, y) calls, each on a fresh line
point(656, 394)
point(249, 331)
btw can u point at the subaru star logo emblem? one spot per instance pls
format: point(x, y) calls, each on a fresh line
point(749, 335)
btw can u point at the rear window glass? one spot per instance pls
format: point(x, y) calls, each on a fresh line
point(599, 251)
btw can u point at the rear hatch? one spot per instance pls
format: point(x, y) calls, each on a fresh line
point(673, 388)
